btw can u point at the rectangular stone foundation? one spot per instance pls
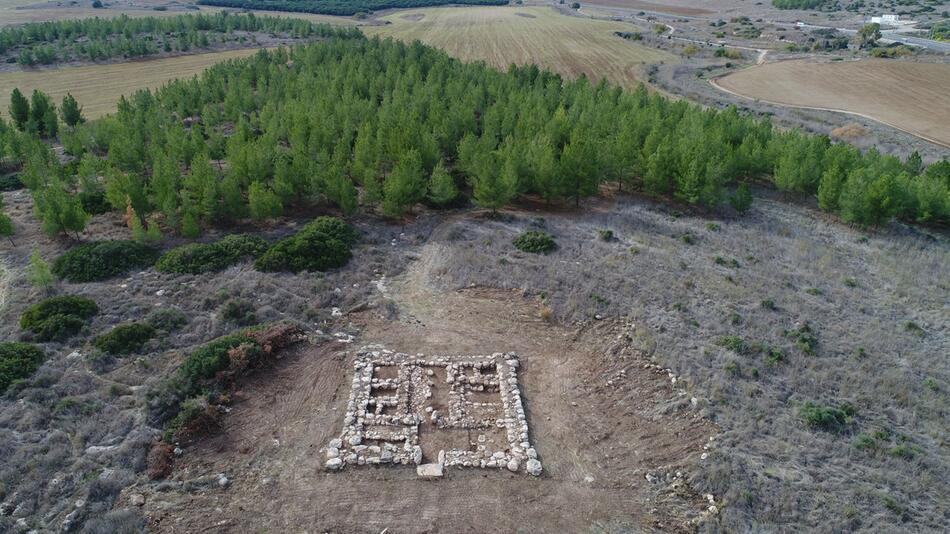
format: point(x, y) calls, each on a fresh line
point(463, 411)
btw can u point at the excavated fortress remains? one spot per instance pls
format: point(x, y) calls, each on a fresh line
point(434, 412)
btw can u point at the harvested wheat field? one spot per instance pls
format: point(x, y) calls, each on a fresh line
point(98, 87)
point(521, 35)
point(909, 96)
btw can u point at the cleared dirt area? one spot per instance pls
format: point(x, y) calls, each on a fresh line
point(910, 96)
point(522, 35)
point(597, 442)
point(99, 87)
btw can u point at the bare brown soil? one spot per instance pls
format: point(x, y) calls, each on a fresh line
point(597, 442)
point(652, 6)
point(910, 96)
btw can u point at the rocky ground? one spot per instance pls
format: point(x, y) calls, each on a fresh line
point(603, 327)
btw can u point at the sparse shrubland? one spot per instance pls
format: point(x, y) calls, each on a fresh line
point(197, 258)
point(101, 260)
point(58, 318)
point(18, 361)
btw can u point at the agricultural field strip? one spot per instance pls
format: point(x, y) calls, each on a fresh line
point(505, 35)
point(905, 95)
point(98, 87)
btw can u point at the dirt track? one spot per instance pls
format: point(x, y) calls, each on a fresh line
point(597, 442)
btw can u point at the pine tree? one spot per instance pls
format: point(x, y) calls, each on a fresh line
point(40, 110)
point(6, 224)
point(70, 111)
point(442, 188)
point(19, 109)
point(493, 189)
point(741, 200)
point(59, 210)
point(38, 272)
point(914, 163)
point(579, 172)
point(263, 203)
point(404, 186)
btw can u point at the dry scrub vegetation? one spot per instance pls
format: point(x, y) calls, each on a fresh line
point(876, 337)
point(817, 350)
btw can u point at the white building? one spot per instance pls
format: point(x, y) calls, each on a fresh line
point(892, 20)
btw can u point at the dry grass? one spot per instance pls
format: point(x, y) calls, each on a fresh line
point(98, 87)
point(907, 95)
point(523, 35)
point(850, 131)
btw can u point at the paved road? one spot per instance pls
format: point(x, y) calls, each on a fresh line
point(886, 35)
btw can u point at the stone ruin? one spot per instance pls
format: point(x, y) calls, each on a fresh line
point(435, 412)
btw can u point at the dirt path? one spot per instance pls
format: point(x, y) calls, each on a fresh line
point(598, 442)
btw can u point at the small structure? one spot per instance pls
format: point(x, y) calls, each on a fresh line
point(434, 412)
point(890, 20)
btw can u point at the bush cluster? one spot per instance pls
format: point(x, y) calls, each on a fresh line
point(324, 243)
point(210, 359)
point(825, 417)
point(167, 319)
point(101, 260)
point(10, 182)
point(125, 338)
point(197, 258)
point(238, 311)
point(58, 318)
point(535, 242)
point(17, 361)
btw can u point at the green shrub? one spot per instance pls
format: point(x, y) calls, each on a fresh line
point(535, 242)
point(242, 245)
point(805, 338)
point(238, 311)
point(167, 319)
point(734, 343)
point(828, 418)
point(58, 318)
point(322, 244)
point(190, 409)
point(197, 258)
point(18, 361)
point(731, 262)
point(101, 260)
point(125, 338)
point(210, 359)
point(606, 235)
point(10, 182)
point(768, 304)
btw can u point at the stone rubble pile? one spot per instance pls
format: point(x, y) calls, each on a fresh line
point(392, 396)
